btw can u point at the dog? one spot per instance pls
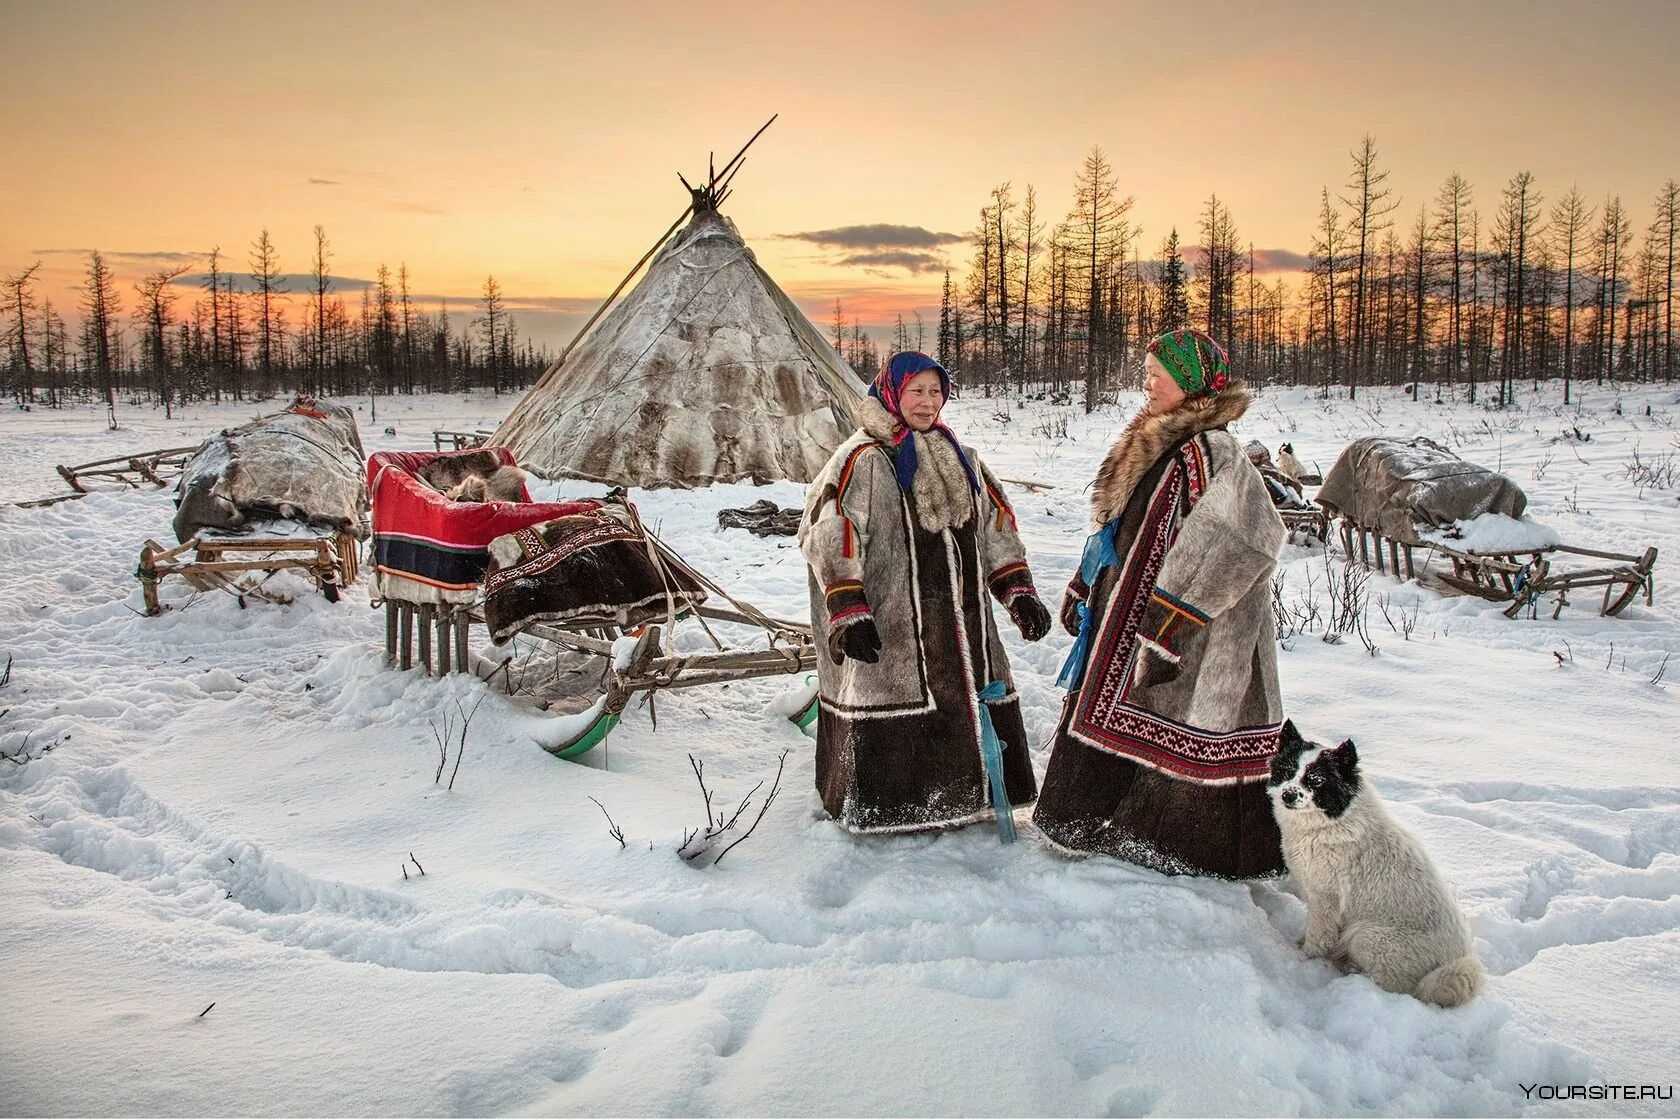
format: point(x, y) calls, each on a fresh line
point(1288, 464)
point(1375, 902)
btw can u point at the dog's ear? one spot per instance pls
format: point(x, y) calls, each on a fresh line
point(1347, 758)
point(1291, 737)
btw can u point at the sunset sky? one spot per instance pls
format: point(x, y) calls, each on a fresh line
point(541, 142)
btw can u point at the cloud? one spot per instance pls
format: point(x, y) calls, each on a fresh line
point(896, 258)
point(294, 283)
point(1280, 260)
point(155, 256)
point(1265, 260)
point(324, 182)
point(878, 236)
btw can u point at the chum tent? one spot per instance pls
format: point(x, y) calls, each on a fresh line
point(705, 372)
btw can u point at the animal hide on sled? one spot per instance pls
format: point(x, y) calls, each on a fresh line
point(588, 569)
point(1397, 486)
point(304, 464)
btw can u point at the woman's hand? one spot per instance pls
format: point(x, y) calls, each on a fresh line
point(1031, 616)
point(1155, 666)
point(1070, 613)
point(858, 640)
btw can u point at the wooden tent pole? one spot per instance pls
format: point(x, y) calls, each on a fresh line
point(664, 237)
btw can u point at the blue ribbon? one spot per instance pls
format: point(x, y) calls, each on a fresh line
point(991, 749)
point(1099, 554)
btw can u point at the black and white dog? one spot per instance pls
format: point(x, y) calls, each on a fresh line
point(1375, 902)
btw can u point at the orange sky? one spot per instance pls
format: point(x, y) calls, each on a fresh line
point(540, 142)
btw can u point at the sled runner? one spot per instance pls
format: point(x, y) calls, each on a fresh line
point(1393, 497)
point(585, 578)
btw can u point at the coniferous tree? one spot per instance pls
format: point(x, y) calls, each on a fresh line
point(100, 306)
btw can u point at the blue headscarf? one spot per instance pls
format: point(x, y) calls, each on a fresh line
point(886, 388)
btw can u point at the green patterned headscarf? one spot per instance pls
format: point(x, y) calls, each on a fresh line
point(1195, 362)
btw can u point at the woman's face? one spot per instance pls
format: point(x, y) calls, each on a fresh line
point(1163, 392)
point(920, 400)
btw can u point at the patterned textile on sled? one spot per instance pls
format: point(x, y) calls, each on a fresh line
point(590, 568)
point(428, 549)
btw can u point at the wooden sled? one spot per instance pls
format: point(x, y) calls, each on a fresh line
point(458, 441)
point(1519, 578)
point(228, 563)
point(1314, 522)
point(436, 637)
point(159, 468)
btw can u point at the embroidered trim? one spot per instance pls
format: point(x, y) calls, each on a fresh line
point(1106, 719)
point(540, 557)
point(1005, 512)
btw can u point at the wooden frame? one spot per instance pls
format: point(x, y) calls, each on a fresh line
point(459, 441)
point(156, 467)
point(331, 561)
point(1315, 522)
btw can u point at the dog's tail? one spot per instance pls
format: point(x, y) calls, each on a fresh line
point(1453, 983)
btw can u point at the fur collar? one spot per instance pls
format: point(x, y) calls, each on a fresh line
point(1148, 436)
point(944, 498)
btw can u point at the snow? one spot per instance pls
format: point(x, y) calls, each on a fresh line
point(233, 806)
point(1493, 532)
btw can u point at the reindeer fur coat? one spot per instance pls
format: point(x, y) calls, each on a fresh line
point(898, 741)
point(1163, 748)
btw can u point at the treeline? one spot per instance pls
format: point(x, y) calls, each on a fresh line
point(1446, 296)
point(248, 336)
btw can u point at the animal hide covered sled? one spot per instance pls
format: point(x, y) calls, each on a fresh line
point(303, 464)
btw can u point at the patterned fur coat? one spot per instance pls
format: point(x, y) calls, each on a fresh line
point(1163, 748)
point(898, 742)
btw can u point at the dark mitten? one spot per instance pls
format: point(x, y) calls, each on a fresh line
point(1155, 666)
point(1031, 616)
point(1070, 613)
point(858, 640)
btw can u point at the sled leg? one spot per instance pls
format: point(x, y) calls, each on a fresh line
point(407, 611)
point(462, 622)
point(445, 640)
point(390, 632)
point(424, 624)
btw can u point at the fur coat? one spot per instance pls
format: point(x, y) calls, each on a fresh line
point(899, 741)
point(1164, 744)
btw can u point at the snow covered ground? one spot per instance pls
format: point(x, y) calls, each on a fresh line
point(231, 807)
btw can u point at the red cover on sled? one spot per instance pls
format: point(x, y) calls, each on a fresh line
point(428, 549)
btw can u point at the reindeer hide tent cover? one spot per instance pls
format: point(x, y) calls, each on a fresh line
point(706, 372)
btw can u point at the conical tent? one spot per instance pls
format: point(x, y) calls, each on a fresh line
point(706, 372)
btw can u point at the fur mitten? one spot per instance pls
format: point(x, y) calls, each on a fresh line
point(859, 640)
point(1031, 616)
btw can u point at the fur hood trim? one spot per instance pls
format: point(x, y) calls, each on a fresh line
point(1146, 439)
point(944, 497)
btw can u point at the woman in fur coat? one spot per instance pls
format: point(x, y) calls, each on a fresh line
point(906, 532)
point(1172, 716)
